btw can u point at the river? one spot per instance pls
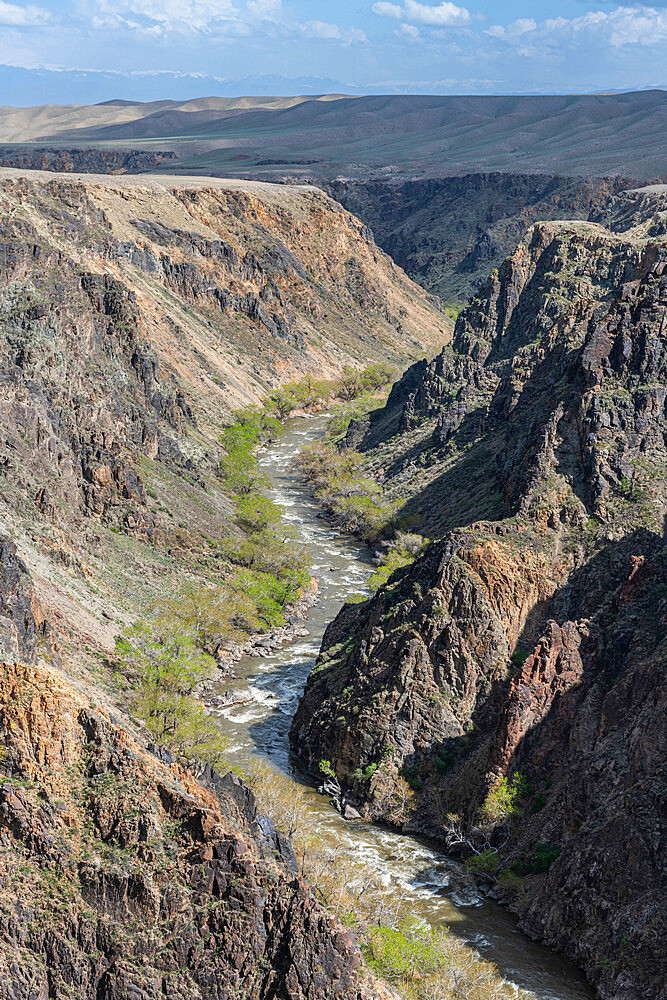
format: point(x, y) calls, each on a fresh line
point(435, 884)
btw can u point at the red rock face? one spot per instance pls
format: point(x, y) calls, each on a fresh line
point(552, 668)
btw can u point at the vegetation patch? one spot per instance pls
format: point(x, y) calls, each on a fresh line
point(354, 501)
point(503, 800)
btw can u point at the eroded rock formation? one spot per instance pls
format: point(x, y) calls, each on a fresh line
point(507, 690)
point(122, 876)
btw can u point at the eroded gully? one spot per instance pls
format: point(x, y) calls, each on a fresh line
point(432, 883)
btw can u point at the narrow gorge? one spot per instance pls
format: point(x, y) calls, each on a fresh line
point(193, 641)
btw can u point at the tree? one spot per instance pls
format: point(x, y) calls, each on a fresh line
point(167, 667)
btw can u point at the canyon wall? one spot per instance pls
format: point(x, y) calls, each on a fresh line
point(505, 693)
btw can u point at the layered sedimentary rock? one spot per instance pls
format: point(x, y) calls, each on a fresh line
point(506, 692)
point(134, 316)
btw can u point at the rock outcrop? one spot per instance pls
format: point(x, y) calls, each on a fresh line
point(122, 876)
point(506, 691)
point(23, 625)
point(89, 161)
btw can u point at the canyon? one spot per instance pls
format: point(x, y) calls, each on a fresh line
point(502, 695)
point(135, 316)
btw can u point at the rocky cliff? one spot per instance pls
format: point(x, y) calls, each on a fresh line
point(449, 232)
point(134, 315)
point(506, 693)
point(93, 161)
point(122, 876)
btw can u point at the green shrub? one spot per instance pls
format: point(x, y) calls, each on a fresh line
point(503, 800)
point(326, 768)
point(539, 802)
point(401, 551)
point(537, 861)
point(519, 657)
point(354, 502)
point(411, 774)
point(343, 415)
point(445, 759)
point(484, 863)
point(165, 667)
point(403, 952)
point(510, 884)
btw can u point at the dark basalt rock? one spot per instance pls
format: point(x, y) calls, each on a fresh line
point(530, 636)
point(22, 622)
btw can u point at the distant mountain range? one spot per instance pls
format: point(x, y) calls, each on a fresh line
point(30, 86)
point(320, 137)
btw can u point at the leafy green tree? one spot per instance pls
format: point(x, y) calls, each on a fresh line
point(503, 800)
point(166, 667)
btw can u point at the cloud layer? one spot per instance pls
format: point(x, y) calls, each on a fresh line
point(521, 46)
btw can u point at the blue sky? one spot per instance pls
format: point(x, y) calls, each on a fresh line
point(85, 50)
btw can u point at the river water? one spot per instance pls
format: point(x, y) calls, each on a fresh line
point(434, 884)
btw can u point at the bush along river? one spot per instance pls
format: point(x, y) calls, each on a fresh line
point(265, 693)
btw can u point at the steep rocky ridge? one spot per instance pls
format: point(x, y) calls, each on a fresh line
point(123, 876)
point(530, 637)
point(134, 316)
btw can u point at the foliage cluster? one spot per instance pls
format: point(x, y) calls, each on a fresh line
point(164, 667)
point(427, 963)
point(355, 502)
point(272, 569)
point(503, 800)
point(302, 394)
point(343, 414)
point(402, 550)
point(262, 572)
point(309, 391)
point(536, 861)
point(354, 382)
point(484, 863)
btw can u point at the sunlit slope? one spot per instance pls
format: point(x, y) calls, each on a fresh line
point(358, 136)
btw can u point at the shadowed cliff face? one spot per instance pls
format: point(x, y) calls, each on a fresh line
point(449, 232)
point(95, 161)
point(530, 637)
point(23, 626)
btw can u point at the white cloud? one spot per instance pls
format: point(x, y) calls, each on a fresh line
point(166, 15)
point(442, 15)
point(11, 13)
point(513, 30)
point(619, 28)
point(407, 31)
point(324, 30)
point(385, 9)
point(265, 10)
